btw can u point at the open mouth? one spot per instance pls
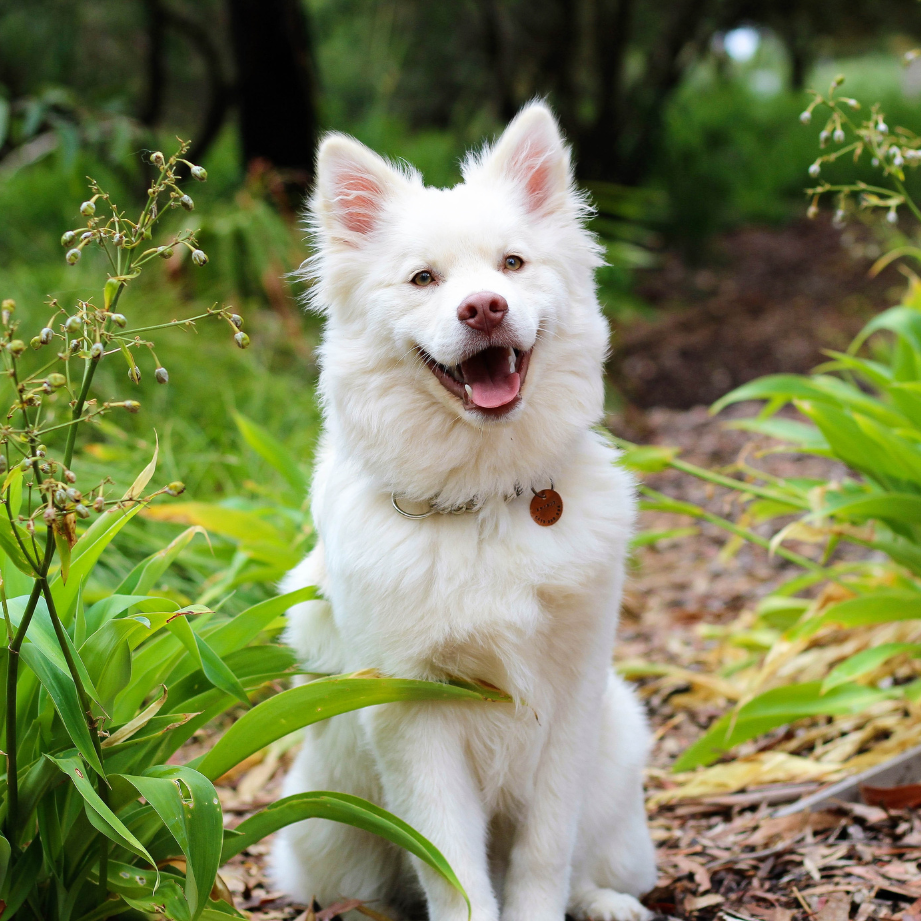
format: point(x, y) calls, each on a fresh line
point(488, 381)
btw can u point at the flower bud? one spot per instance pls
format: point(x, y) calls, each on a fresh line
point(874, 161)
point(199, 257)
point(73, 256)
point(68, 238)
point(74, 324)
point(237, 320)
point(242, 340)
point(805, 117)
point(838, 219)
point(812, 211)
point(56, 380)
point(17, 346)
point(165, 252)
point(75, 346)
point(134, 374)
point(897, 160)
point(118, 239)
point(838, 136)
point(82, 511)
point(199, 173)
point(74, 494)
point(99, 504)
point(187, 203)
point(882, 127)
point(60, 498)
point(36, 342)
point(157, 159)
point(892, 216)
point(162, 376)
point(46, 468)
point(176, 488)
point(814, 169)
point(46, 335)
point(8, 305)
point(119, 320)
point(88, 209)
point(26, 464)
point(49, 515)
point(70, 476)
point(823, 138)
point(86, 236)
point(96, 351)
point(132, 406)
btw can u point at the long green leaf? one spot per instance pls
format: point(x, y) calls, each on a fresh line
point(867, 660)
point(272, 450)
point(63, 693)
point(775, 708)
point(319, 700)
point(99, 814)
point(194, 820)
point(339, 807)
point(247, 625)
point(877, 608)
point(208, 660)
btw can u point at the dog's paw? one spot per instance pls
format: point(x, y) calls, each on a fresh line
point(608, 905)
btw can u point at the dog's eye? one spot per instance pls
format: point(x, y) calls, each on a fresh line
point(513, 263)
point(423, 278)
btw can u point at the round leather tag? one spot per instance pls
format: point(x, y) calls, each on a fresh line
point(547, 507)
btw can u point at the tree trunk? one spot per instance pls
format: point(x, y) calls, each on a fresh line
point(276, 85)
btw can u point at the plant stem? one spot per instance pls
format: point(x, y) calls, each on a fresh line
point(87, 708)
point(12, 676)
point(88, 373)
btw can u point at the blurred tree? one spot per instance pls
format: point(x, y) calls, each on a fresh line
point(276, 84)
point(608, 66)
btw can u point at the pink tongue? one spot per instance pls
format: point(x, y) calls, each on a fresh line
point(489, 378)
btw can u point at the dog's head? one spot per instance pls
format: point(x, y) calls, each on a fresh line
point(464, 316)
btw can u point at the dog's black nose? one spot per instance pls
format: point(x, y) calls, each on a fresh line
point(484, 311)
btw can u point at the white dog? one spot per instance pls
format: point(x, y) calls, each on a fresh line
point(462, 371)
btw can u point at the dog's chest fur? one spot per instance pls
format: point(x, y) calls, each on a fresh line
point(489, 595)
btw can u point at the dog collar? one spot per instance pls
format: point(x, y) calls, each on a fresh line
point(546, 506)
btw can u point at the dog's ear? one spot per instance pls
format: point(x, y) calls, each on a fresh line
point(353, 183)
point(531, 152)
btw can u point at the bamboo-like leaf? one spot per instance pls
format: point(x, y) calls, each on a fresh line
point(100, 815)
point(273, 451)
point(193, 819)
point(339, 807)
point(319, 700)
point(208, 660)
point(775, 708)
point(876, 608)
point(5, 852)
point(248, 624)
point(138, 723)
point(63, 693)
point(136, 489)
point(867, 660)
point(142, 578)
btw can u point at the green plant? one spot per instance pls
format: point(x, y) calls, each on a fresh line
point(850, 651)
point(98, 696)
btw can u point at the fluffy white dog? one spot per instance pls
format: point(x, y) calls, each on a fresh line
point(462, 371)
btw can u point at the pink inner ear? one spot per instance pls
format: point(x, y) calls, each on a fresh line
point(532, 166)
point(358, 201)
point(537, 185)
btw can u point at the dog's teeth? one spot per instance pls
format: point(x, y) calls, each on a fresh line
point(469, 390)
point(511, 364)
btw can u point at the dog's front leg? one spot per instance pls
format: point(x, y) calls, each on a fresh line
point(428, 782)
point(537, 881)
